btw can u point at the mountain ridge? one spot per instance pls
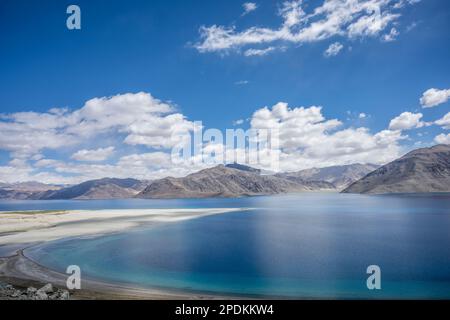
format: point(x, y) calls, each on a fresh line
point(222, 181)
point(422, 170)
point(339, 176)
point(105, 188)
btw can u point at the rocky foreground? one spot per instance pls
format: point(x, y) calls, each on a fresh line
point(47, 292)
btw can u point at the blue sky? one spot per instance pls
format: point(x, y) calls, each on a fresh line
point(382, 70)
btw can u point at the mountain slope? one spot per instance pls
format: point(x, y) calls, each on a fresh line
point(29, 186)
point(421, 170)
point(7, 194)
point(107, 188)
point(242, 167)
point(339, 176)
point(23, 190)
point(222, 181)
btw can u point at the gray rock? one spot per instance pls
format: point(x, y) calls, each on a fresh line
point(31, 291)
point(47, 292)
point(40, 295)
point(48, 288)
point(65, 295)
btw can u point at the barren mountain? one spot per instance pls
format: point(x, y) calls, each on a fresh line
point(29, 186)
point(223, 181)
point(107, 188)
point(23, 190)
point(7, 194)
point(421, 170)
point(339, 176)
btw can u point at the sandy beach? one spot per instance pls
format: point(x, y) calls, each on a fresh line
point(19, 230)
point(38, 226)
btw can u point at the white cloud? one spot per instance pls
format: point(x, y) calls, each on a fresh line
point(412, 26)
point(140, 117)
point(402, 3)
point(442, 138)
point(249, 7)
point(242, 82)
point(362, 115)
point(127, 119)
point(444, 122)
point(100, 154)
point(258, 52)
point(345, 18)
point(391, 36)
point(406, 121)
point(433, 97)
point(333, 49)
point(307, 139)
point(238, 122)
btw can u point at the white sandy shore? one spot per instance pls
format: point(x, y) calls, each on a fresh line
point(22, 227)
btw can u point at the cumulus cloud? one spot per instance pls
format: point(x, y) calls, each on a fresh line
point(99, 154)
point(249, 7)
point(148, 128)
point(140, 117)
point(433, 97)
point(308, 139)
point(442, 138)
point(444, 122)
point(344, 18)
point(134, 119)
point(406, 121)
point(333, 49)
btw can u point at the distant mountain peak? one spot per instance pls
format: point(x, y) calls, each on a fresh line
point(242, 167)
point(340, 176)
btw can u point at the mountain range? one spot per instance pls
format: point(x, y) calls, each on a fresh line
point(225, 181)
point(231, 180)
point(421, 170)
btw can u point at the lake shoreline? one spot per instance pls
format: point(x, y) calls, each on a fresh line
point(22, 230)
point(21, 227)
point(21, 271)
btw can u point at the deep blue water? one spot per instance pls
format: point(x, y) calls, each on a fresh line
point(307, 245)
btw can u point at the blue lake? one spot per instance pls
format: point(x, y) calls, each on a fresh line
point(310, 245)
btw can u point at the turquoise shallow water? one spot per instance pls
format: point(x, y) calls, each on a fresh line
point(308, 245)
